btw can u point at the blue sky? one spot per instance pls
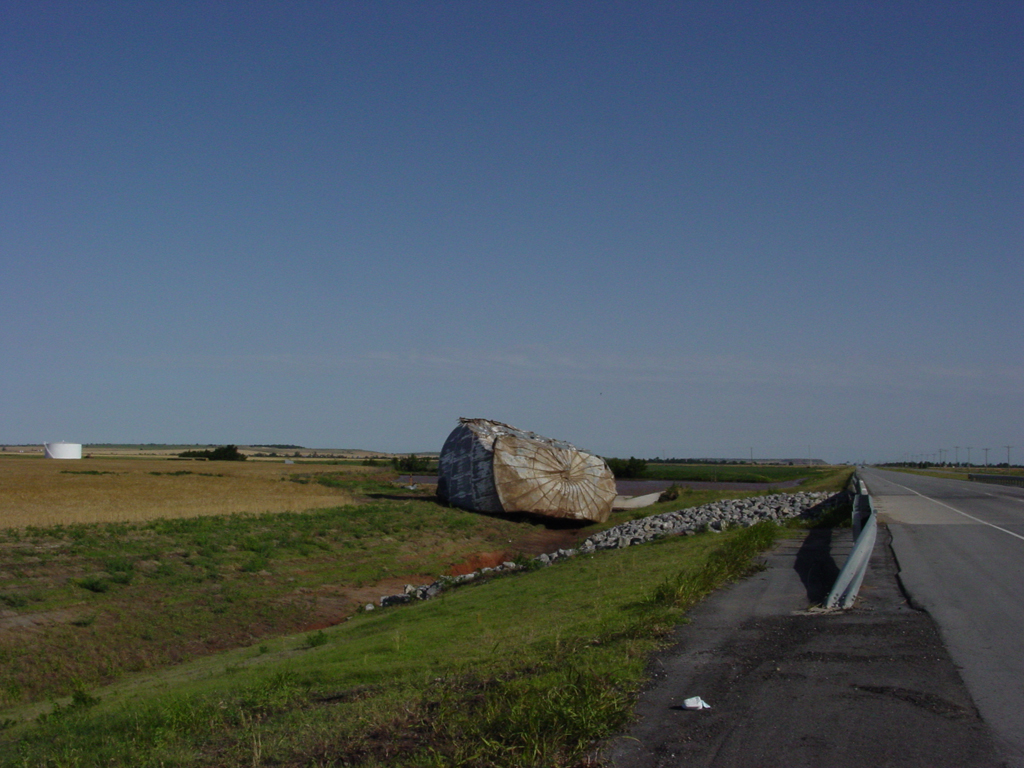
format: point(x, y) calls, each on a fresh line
point(686, 229)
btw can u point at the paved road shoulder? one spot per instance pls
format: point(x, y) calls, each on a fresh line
point(787, 687)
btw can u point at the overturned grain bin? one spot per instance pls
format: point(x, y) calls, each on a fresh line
point(487, 466)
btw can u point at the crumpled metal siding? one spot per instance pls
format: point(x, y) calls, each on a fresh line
point(465, 471)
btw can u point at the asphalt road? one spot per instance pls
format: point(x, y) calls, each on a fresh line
point(960, 550)
point(872, 686)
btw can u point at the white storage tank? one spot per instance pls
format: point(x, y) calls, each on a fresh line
point(62, 450)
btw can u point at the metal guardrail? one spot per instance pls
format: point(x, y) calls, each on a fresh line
point(1017, 480)
point(865, 531)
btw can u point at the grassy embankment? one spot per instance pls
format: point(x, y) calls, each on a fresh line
point(519, 670)
point(83, 603)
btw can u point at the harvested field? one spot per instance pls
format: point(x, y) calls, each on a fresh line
point(36, 491)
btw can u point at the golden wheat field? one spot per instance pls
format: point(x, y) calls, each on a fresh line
point(37, 491)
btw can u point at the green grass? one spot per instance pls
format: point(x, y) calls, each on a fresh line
point(526, 670)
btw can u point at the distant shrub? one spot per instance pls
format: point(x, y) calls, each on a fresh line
point(227, 453)
point(411, 464)
point(256, 563)
point(631, 468)
point(224, 453)
point(671, 493)
point(316, 639)
point(94, 584)
point(13, 600)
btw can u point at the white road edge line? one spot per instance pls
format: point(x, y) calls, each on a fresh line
point(972, 517)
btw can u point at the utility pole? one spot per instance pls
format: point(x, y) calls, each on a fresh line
point(986, 456)
point(957, 449)
point(969, 455)
point(1008, 447)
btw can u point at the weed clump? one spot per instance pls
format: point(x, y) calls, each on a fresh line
point(316, 639)
point(731, 561)
point(80, 700)
point(12, 600)
point(94, 584)
point(671, 493)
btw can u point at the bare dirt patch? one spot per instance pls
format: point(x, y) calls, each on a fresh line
point(332, 604)
point(12, 620)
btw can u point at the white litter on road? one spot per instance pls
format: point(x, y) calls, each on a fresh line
point(696, 702)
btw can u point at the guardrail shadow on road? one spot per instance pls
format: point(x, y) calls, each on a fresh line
point(815, 565)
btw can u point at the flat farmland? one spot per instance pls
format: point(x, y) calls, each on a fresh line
point(150, 589)
point(109, 567)
point(40, 492)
